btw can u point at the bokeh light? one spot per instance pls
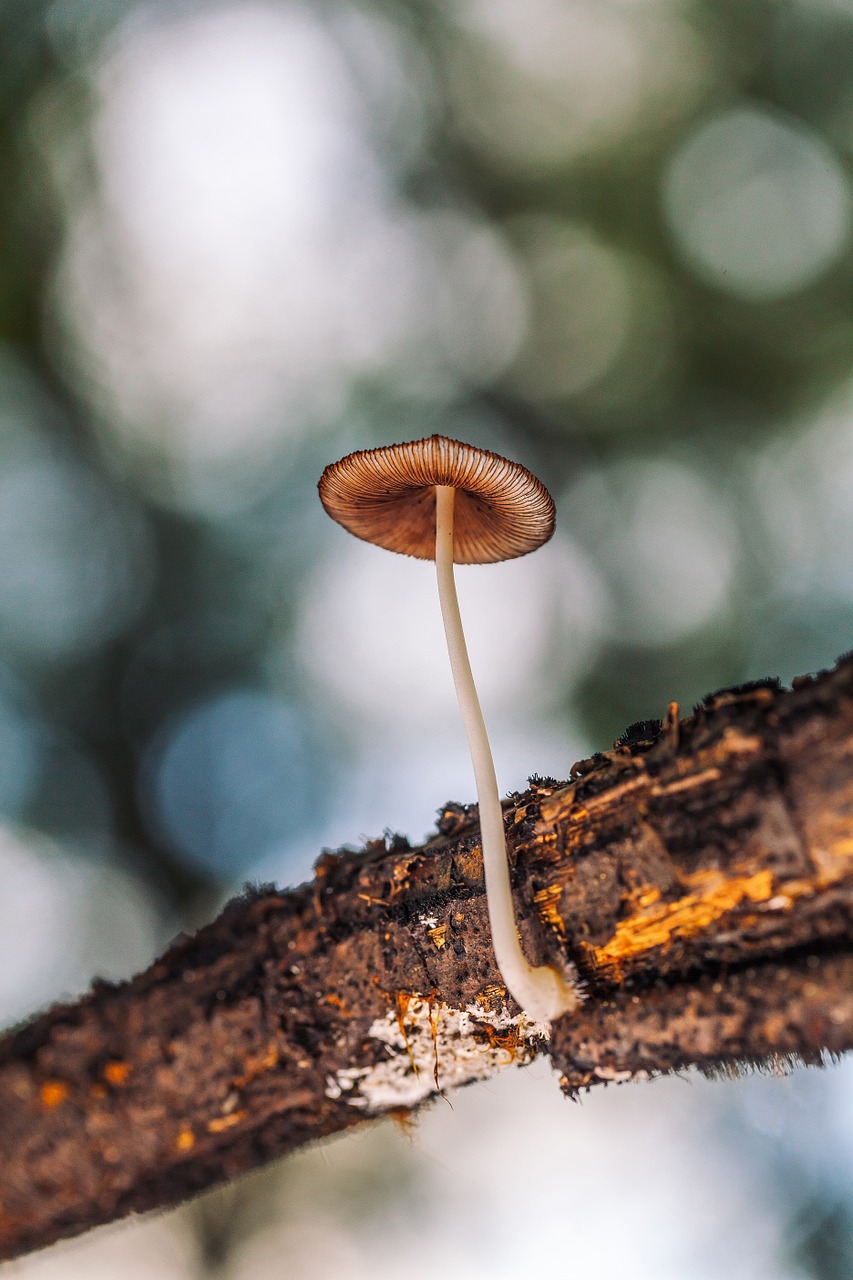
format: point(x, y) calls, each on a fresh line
point(65, 921)
point(73, 563)
point(662, 536)
point(573, 77)
point(404, 668)
point(22, 745)
point(758, 204)
point(231, 782)
point(205, 286)
point(599, 316)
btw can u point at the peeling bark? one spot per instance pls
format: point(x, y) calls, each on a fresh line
point(699, 876)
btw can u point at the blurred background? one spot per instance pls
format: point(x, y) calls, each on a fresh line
point(608, 238)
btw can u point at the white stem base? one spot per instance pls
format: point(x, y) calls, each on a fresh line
point(543, 993)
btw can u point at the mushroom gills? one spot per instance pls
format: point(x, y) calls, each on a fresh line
point(543, 993)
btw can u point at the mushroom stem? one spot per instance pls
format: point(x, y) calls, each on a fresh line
point(542, 992)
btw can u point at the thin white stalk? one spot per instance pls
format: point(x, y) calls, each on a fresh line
point(542, 992)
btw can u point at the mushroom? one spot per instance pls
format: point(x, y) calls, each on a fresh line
point(438, 499)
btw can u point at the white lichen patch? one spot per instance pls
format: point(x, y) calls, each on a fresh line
point(431, 1048)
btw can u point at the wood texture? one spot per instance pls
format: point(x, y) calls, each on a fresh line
point(700, 877)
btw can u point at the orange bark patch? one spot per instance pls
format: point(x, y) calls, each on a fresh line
point(658, 923)
point(403, 1002)
point(53, 1093)
point(185, 1140)
point(842, 848)
point(257, 1066)
point(546, 904)
point(505, 1038)
point(116, 1073)
point(491, 995)
point(225, 1122)
point(439, 936)
point(434, 1010)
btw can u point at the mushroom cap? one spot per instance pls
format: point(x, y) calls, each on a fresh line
point(387, 496)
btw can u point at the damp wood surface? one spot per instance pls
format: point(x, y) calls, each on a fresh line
point(699, 876)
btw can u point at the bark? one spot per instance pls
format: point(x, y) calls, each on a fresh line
point(699, 877)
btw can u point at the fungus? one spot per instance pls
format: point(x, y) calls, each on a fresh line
point(438, 499)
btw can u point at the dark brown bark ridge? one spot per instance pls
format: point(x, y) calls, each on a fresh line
point(700, 877)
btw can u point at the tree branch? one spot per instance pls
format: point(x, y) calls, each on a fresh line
point(700, 877)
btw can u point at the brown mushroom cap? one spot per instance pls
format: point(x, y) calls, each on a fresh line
point(387, 496)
